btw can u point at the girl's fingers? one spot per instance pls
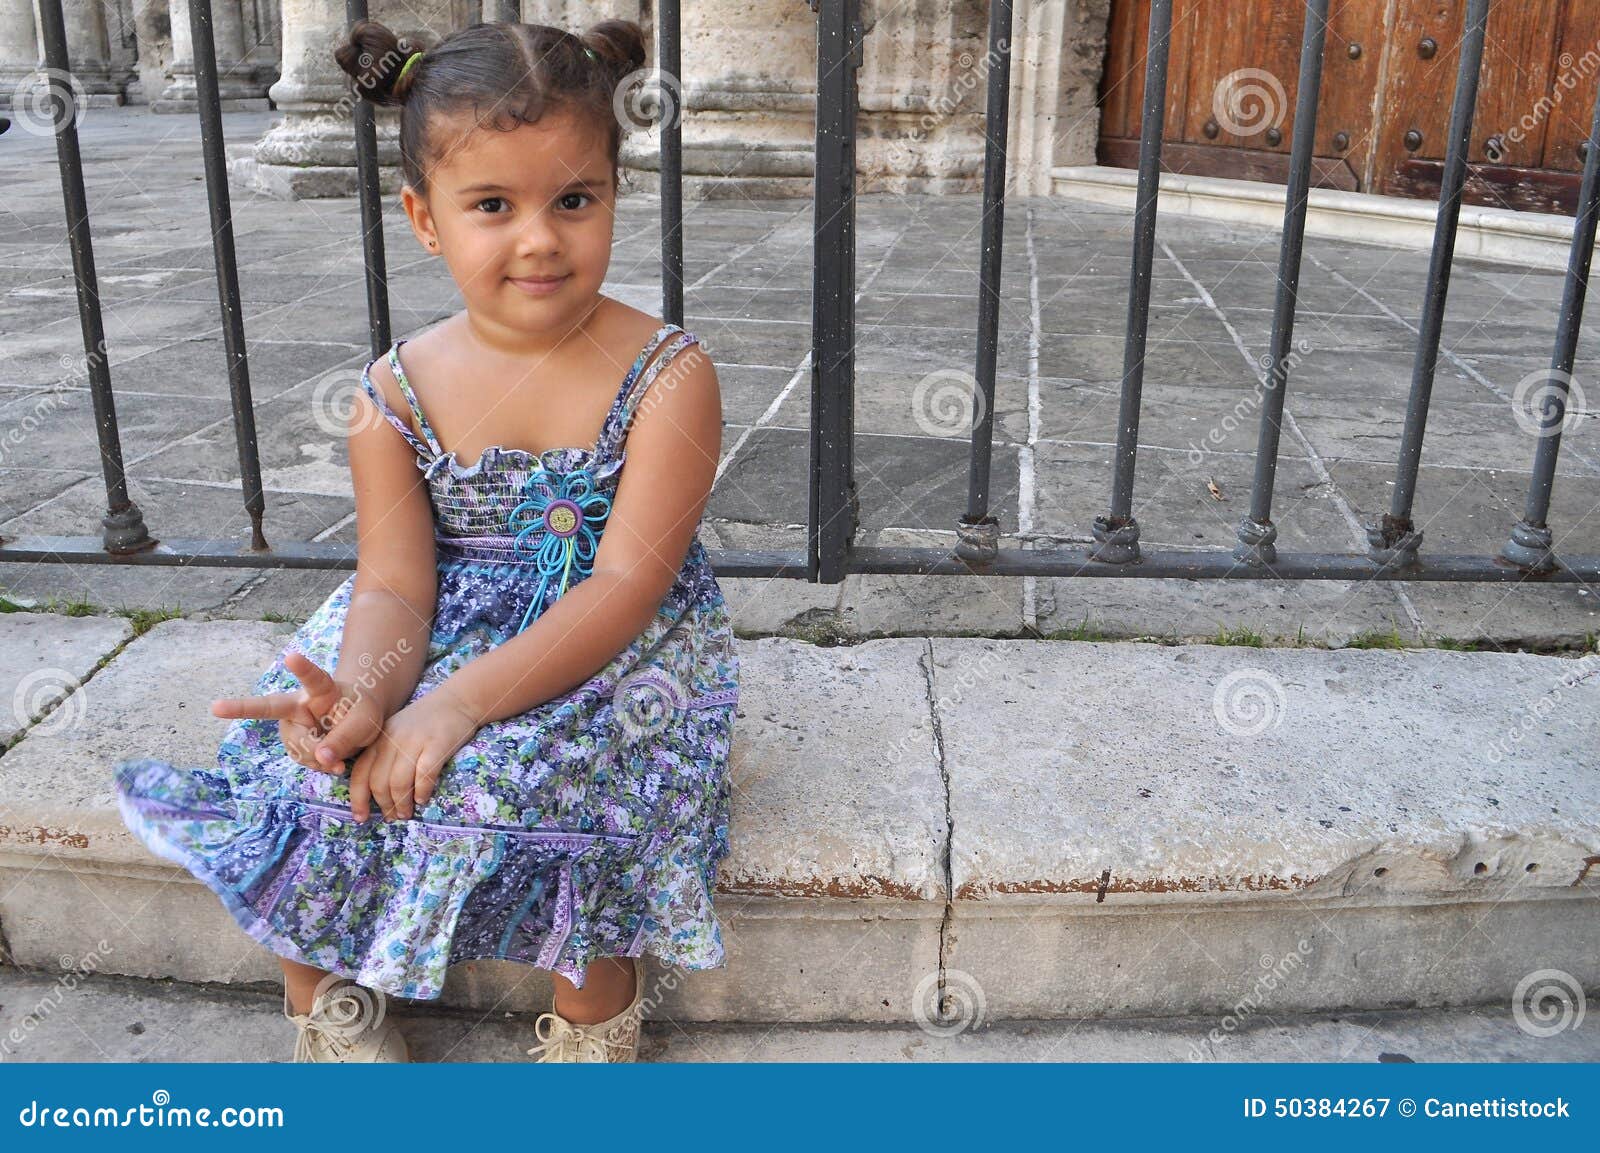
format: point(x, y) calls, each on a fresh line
point(361, 784)
point(429, 767)
point(270, 707)
point(382, 785)
point(321, 691)
point(344, 739)
point(407, 776)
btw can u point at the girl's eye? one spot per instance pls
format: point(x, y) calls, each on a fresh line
point(575, 196)
point(492, 204)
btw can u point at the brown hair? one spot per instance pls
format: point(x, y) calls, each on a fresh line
point(504, 74)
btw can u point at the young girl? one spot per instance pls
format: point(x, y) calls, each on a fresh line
point(510, 732)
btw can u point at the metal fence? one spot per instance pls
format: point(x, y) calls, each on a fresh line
point(1394, 550)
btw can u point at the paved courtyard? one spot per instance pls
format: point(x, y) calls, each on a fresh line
point(748, 275)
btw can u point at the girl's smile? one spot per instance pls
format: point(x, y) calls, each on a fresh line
point(539, 286)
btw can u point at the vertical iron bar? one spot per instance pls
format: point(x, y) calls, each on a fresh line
point(212, 144)
point(1116, 533)
point(669, 64)
point(1394, 540)
point(123, 525)
point(373, 257)
point(1256, 531)
point(832, 505)
point(1531, 539)
point(978, 532)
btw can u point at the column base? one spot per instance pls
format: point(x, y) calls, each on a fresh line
point(190, 107)
point(302, 182)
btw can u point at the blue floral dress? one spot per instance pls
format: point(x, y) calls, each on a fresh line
point(588, 826)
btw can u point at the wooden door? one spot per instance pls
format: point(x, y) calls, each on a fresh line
point(1389, 73)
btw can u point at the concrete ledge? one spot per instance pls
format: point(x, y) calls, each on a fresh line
point(1123, 828)
point(834, 885)
point(1528, 239)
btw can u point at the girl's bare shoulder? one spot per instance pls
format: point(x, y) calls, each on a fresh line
point(630, 327)
point(428, 353)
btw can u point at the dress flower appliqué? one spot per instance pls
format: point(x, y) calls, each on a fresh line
point(558, 527)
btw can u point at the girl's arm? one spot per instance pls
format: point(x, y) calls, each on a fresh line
point(390, 619)
point(673, 448)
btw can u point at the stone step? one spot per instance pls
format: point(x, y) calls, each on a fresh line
point(109, 1018)
point(1027, 829)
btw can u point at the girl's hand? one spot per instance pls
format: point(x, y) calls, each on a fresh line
point(400, 769)
point(321, 723)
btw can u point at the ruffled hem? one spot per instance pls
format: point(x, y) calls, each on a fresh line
point(334, 897)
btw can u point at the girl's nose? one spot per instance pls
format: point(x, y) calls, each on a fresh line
point(538, 236)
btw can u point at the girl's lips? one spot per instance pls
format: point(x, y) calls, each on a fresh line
point(537, 287)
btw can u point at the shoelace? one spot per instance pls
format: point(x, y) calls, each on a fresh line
point(564, 1041)
point(333, 1020)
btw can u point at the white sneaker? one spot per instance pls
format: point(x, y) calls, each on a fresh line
point(615, 1039)
point(348, 1022)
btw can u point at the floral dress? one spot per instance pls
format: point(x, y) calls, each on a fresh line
point(588, 826)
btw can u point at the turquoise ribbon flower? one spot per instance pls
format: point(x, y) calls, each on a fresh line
point(558, 528)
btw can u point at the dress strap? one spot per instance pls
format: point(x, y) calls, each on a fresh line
point(634, 385)
point(389, 413)
point(411, 398)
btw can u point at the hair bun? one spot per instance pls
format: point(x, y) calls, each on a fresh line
point(618, 43)
point(375, 58)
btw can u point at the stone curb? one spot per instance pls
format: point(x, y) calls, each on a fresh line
point(1124, 827)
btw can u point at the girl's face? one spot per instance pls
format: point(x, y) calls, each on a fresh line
point(523, 218)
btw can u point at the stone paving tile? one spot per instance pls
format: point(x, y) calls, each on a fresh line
point(748, 271)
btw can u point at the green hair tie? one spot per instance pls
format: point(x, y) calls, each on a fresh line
point(590, 52)
point(406, 67)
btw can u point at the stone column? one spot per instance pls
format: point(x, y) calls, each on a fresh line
point(152, 24)
point(19, 48)
point(262, 21)
point(747, 99)
point(312, 152)
point(1055, 81)
point(236, 80)
point(124, 49)
point(89, 49)
point(923, 91)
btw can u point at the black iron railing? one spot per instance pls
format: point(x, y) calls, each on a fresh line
point(1394, 551)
